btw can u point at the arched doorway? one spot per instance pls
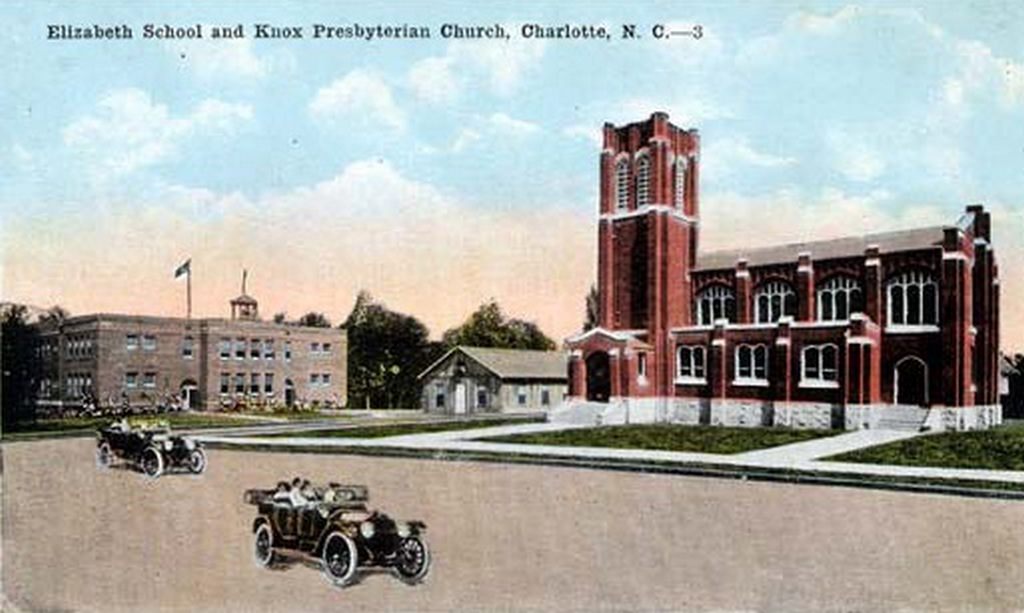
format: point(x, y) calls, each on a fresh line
point(910, 382)
point(599, 381)
point(189, 395)
point(289, 393)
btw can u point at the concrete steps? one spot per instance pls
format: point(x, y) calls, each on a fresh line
point(901, 417)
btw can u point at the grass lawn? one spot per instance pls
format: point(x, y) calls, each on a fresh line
point(76, 424)
point(399, 429)
point(664, 437)
point(997, 449)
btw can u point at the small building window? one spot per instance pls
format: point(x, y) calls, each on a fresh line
point(225, 383)
point(439, 393)
point(820, 365)
point(752, 363)
point(715, 302)
point(149, 380)
point(690, 363)
point(622, 184)
point(913, 299)
point(643, 181)
point(148, 342)
point(774, 299)
point(187, 347)
point(481, 397)
point(131, 379)
point(521, 395)
point(545, 397)
point(131, 342)
point(838, 297)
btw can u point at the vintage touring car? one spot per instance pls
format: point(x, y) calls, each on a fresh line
point(332, 527)
point(149, 446)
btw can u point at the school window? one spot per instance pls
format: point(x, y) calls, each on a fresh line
point(314, 379)
point(225, 383)
point(752, 363)
point(239, 383)
point(255, 348)
point(314, 348)
point(187, 347)
point(148, 342)
point(239, 348)
point(149, 379)
point(326, 348)
point(288, 350)
point(268, 383)
point(224, 347)
point(820, 364)
point(268, 349)
point(690, 362)
point(131, 342)
point(325, 379)
point(131, 379)
point(254, 383)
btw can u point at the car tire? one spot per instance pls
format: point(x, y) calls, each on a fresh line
point(263, 546)
point(413, 560)
point(104, 455)
point(152, 462)
point(339, 558)
point(197, 461)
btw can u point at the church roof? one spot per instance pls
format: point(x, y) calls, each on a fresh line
point(512, 363)
point(853, 246)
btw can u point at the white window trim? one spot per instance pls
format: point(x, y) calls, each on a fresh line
point(905, 280)
point(643, 180)
point(714, 293)
point(912, 328)
point(819, 382)
point(751, 381)
point(836, 284)
point(691, 379)
point(622, 184)
point(772, 288)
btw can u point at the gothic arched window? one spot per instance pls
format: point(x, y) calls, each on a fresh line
point(838, 297)
point(680, 176)
point(715, 302)
point(820, 364)
point(643, 181)
point(773, 300)
point(913, 299)
point(752, 363)
point(622, 184)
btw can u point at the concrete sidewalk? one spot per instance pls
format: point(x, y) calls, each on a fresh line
point(824, 447)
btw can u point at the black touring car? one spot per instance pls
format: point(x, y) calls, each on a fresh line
point(149, 446)
point(332, 528)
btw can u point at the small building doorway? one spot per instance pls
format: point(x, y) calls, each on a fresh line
point(910, 382)
point(599, 382)
point(289, 393)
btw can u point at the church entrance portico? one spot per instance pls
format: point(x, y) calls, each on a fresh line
point(599, 379)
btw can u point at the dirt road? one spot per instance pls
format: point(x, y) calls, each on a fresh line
point(503, 537)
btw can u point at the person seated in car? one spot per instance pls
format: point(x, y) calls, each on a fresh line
point(309, 492)
point(282, 494)
point(295, 495)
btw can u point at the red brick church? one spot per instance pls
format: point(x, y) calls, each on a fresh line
point(897, 329)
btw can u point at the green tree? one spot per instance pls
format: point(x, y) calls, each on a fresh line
point(386, 352)
point(488, 327)
point(19, 362)
point(591, 316)
point(314, 320)
point(280, 318)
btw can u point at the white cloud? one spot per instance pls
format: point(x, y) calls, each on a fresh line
point(586, 132)
point(853, 157)
point(213, 59)
point(359, 95)
point(823, 24)
point(502, 65)
point(726, 155)
point(503, 124)
point(129, 131)
point(498, 126)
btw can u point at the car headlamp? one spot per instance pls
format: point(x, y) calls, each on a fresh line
point(168, 445)
point(367, 529)
point(190, 444)
point(404, 530)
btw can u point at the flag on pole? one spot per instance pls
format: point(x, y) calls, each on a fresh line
point(184, 269)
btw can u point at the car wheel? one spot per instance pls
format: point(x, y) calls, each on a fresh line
point(413, 561)
point(339, 558)
point(152, 462)
point(104, 455)
point(263, 546)
point(197, 461)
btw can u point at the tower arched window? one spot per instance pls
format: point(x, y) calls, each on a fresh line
point(715, 302)
point(838, 297)
point(773, 300)
point(751, 363)
point(913, 299)
point(622, 184)
point(680, 177)
point(643, 181)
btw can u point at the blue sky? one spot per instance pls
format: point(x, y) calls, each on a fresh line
point(408, 166)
